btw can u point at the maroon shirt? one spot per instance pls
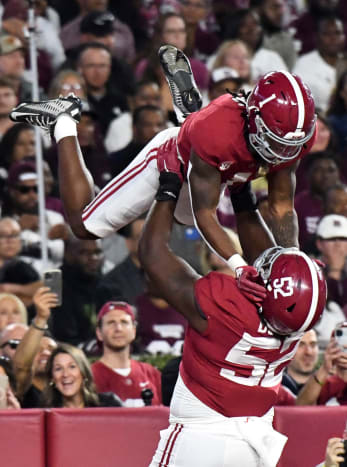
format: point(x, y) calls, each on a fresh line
point(161, 330)
point(129, 388)
point(309, 211)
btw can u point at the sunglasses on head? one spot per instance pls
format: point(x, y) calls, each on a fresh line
point(26, 189)
point(13, 343)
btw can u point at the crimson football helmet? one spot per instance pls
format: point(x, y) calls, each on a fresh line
point(296, 290)
point(281, 116)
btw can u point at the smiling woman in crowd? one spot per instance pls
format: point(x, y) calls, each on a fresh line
point(70, 381)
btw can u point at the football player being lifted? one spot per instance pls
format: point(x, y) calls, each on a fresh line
point(233, 140)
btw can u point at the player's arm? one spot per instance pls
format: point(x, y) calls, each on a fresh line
point(283, 219)
point(172, 277)
point(205, 187)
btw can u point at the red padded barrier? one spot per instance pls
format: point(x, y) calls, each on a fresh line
point(99, 437)
point(308, 430)
point(22, 438)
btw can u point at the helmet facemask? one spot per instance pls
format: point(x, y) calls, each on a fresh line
point(273, 148)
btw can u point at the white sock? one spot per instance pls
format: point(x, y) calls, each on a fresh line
point(65, 126)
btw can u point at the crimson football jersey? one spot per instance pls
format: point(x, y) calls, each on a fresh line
point(217, 133)
point(128, 388)
point(235, 367)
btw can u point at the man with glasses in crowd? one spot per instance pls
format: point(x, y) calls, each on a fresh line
point(21, 203)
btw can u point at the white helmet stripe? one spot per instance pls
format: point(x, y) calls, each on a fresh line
point(299, 98)
point(314, 301)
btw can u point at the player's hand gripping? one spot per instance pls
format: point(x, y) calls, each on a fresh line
point(247, 281)
point(171, 172)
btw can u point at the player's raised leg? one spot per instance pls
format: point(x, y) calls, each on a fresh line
point(59, 117)
point(185, 94)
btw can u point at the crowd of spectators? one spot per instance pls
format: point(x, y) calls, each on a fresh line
point(87, 351)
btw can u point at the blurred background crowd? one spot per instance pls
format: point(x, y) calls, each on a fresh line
point(105, 51)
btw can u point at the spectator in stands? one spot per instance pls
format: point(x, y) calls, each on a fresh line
point(12, 310)
point(17, 144)
point(148, 121)
point(274, 15)
point(70, 381)
point(306, 25)
point(200, 41)
point(12, 65)
point(21, 202)
point(335, 200)
point(33, 351)
point(83, 293)
point(66, 81)
point(124, 45)
point(160, 328)
point(331, 241)
point(107, 101)
point(11, 402)
point(127, 279)
point(326, 141)
point(318, 67)
point(170, 28)
point(45, 34)
point(328, 385)
point(323, 173)
point(16, 276)
point(10, 338)
point(120, 130)
point(222, 80)
point(337, 110)
point(235, 54)
point(245, 25)
point(8, 100)
point(303, 364)
point(116, 371)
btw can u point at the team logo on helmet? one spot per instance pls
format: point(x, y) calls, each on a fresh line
point(281, 117)
point(296, 290)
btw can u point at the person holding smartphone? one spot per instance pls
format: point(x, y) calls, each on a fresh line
point(35, 348)
point(335, 453)
point(329, 382)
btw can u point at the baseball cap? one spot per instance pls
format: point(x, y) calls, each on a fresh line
point(108, 306)
point(332, 226)
point(98, 23)
point(21, 171)
point(223, 74)
point(9, 44)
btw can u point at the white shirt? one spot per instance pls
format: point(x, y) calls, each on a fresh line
point(264, 61)
point(318, 75)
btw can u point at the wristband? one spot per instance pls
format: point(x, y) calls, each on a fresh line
point(65, 126)
point(169, 187)
point(34, 325)
point(317, 380)
point(235, 261)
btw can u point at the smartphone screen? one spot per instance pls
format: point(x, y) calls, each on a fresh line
point(53, 280)
point(3, 390)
